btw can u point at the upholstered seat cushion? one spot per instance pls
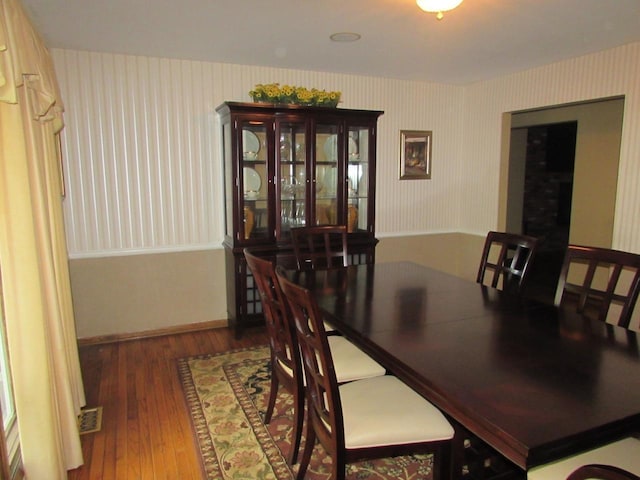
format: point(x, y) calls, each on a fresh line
point(624, 453)
point(328, 327)
point(384, 411)
point(351, 363)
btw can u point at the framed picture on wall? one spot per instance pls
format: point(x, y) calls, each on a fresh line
point(415, 154)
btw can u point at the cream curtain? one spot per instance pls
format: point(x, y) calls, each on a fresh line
point(38, 310)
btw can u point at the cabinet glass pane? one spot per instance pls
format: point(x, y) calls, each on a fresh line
point(228, 178)
point(327, 186)
point(254, 182)
point(357, 179)
point(292, 154)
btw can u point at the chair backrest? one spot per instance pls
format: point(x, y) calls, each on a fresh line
point(515, 256)
point(280, 331)
point(321, 246)
point(611, 264)
point(323, 401)
point(601, 472)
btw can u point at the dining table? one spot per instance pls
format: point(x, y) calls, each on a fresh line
point(523, 382)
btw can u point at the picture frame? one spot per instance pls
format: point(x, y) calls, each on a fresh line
point(415, 154)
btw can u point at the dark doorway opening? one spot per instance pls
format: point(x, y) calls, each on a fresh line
point(586, 198)
point(548, 188)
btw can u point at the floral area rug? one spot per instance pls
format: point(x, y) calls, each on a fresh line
point(227, 396)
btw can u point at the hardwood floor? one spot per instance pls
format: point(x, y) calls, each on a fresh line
point(146, 431)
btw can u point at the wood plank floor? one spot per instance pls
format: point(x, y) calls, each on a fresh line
point(146, 430)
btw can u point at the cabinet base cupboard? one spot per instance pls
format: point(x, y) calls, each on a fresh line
point(287, 166)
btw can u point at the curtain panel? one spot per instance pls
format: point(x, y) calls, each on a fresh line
point(41, 337)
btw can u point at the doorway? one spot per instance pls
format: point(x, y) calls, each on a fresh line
point(570, 196)
point(546, 210)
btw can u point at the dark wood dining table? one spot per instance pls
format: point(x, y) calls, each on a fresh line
point(529, 381)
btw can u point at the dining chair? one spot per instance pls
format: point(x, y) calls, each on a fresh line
point(599, 293)
point(624, 454)
point(513, 261)
point(371, 418)
point(320, 246)
point(286, 369)
point(601, 472)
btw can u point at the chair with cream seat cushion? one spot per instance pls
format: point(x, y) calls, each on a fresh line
point(371, 418)
point(601, 472)
point(351, 363)
point(624, 454)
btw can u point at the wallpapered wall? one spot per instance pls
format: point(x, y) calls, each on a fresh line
point(142, 152)
point(606, 74)
point(142, 161)
point(143, 169)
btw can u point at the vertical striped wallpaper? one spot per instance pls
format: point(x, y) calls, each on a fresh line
point(142, 155)
point(143, 163)
point(606, 74)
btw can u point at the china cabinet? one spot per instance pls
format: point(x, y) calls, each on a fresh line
point(287, 166)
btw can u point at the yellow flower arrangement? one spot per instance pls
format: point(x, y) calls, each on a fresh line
point(288, 94)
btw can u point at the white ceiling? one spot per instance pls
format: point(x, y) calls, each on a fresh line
point(479, 40)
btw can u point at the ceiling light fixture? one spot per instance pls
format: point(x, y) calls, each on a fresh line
point(345, 37)
point(438, 6)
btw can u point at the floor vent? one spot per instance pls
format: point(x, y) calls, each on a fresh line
point(90, 420)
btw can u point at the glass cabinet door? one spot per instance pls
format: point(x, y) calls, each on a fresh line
point(358, 179)
point(291, 156)
point(254, 181)
point(287, 167)
point(327, 175)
